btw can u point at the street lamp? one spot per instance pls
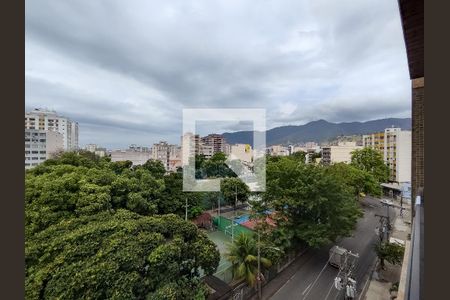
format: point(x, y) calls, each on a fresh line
point(259, 266)
point(234, 215)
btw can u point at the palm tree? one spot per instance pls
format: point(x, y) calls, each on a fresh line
point(243, 256)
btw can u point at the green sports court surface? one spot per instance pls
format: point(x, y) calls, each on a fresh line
point(221, 240)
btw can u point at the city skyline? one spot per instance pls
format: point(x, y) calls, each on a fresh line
point(126, 79)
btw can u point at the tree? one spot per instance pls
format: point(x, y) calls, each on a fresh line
point(155, 167)
point(229, 187)
point(173, 199)
point(391, 252)
point(312, 206)
point(91, 232)
point(119, 255)
point(243, 255)
point(299, 156)
point(359, 181)
point(213, 167)
point(371, 160)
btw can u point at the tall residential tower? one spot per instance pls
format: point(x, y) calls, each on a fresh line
point(40, 119)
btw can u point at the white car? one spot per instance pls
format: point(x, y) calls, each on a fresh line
point(386, 201)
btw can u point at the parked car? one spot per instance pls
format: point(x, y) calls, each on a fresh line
point(386, 202)
point(337, 256)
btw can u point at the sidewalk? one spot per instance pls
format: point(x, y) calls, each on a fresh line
point(382, 280)
point(284, 276)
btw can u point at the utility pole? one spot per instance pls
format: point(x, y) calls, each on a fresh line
point(348, 283)
point(384, 228)
point(186, 211)
point(388, 225)
point(234, 214)
point(259, 266)
point(218, 206)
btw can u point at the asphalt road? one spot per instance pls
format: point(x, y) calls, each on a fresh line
point(315, 279)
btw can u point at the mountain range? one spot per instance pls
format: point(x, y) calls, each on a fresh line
point(317, 131)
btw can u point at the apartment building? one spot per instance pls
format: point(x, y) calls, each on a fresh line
point(40, 119)
point(374, 140)
point(165, 152)
point(242, 152)
point(207, 150)
point(99, 151)
point(190, 146)
point(395, 146)
point(217, 142)
point(340, 153)
point(90, 147)
point(40, 145)
point(137, 155)
point(278, 150)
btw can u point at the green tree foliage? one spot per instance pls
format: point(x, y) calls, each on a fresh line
point(92, 232)
point(212, 168)
point(173, 199)
point(371, 160)
point(359, 181)
point(230, 187)
point(243, 254)
point(312, 205)
point(155, 167)
point(391, 252)
point(299, 156)
point(120, 255)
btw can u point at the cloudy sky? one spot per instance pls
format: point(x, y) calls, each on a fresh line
point(126, 69)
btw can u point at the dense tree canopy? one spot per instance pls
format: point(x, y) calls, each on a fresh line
point(359, 181)
point(313, 206)
point(371, 160)
point(234, 189)
point(119, 255)
point(213, 167)
point(99, 229)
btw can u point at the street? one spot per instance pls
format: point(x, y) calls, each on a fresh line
point(315, 279)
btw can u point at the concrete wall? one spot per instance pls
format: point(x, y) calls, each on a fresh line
point(404, 156)
point(137, 158)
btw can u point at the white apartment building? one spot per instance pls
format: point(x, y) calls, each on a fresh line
point(242, 152)
point(40, 145)
point(40, 119)
point(207, 150)
point(99, 151)
point(137, 155)
point(90, 147)
point(340, 153)
point(278, 150)
point(395, 146)
point(190, 146)
point(164, 152)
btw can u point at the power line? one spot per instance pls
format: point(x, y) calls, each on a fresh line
point(347, 270)
point(317, 278)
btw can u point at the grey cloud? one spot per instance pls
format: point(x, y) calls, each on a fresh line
point(152, 58)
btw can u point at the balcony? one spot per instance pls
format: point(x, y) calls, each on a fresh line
point(412, 276)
